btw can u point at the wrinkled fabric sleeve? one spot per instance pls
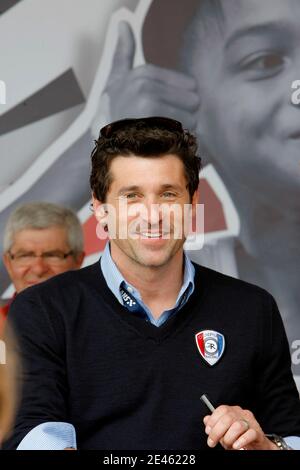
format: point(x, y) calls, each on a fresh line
point(49, 436)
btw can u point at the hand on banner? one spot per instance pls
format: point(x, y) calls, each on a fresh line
point(148, 90)
point(235, 429)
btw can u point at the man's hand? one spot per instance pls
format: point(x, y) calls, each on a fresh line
point(148, 90)
point(235, 429)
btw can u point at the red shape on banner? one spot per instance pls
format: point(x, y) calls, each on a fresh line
point(92, 244)
point(214, 217)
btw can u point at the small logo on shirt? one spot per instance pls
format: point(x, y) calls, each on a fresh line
point(128, 300)
point(211, 345)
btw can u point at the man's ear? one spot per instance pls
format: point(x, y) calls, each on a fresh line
point(7, 263)
point(195, 201)
point(78, 259)
point(99, 211)
point(6, 259)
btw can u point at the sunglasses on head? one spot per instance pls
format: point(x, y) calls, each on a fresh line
point(155, 121)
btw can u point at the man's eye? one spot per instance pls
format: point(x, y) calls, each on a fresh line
point(168, 195)
point(131, 196)
point(52, 255)
point(24, 255)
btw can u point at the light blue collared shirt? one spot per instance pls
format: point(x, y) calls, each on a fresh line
point(115, 281)
point(49, 436)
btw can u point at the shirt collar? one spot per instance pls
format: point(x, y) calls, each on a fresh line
point(114, 278)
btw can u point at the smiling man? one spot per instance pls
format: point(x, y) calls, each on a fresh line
point(117, 354)
point(41, 240)
point(150, 250)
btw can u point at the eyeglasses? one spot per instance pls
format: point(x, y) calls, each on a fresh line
point(52, 258)
point(155, 121)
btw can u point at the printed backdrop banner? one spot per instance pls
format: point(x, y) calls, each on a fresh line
point(224, 68)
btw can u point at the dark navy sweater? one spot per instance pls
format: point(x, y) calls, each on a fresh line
point(126, 384)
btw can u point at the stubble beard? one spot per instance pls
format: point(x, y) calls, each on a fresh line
point(137, 258)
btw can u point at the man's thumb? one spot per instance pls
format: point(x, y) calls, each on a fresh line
point(124, 52)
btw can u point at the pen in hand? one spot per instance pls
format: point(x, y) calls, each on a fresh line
point(211, 408)
point(207, 402)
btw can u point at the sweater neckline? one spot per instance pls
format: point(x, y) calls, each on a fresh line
point(135, 321)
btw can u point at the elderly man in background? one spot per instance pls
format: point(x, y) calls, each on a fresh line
point(40, 240)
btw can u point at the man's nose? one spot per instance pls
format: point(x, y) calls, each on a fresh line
point(39, 266)
point(152, 212)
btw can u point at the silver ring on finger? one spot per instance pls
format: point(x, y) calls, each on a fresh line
point(246, 423)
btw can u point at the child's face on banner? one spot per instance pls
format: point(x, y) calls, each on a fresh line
point(244, 73)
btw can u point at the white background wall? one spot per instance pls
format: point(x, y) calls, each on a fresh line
point(41, 39)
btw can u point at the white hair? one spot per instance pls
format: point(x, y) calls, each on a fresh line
point(42, 215)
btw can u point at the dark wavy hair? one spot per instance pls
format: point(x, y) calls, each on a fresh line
point(145, 137)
